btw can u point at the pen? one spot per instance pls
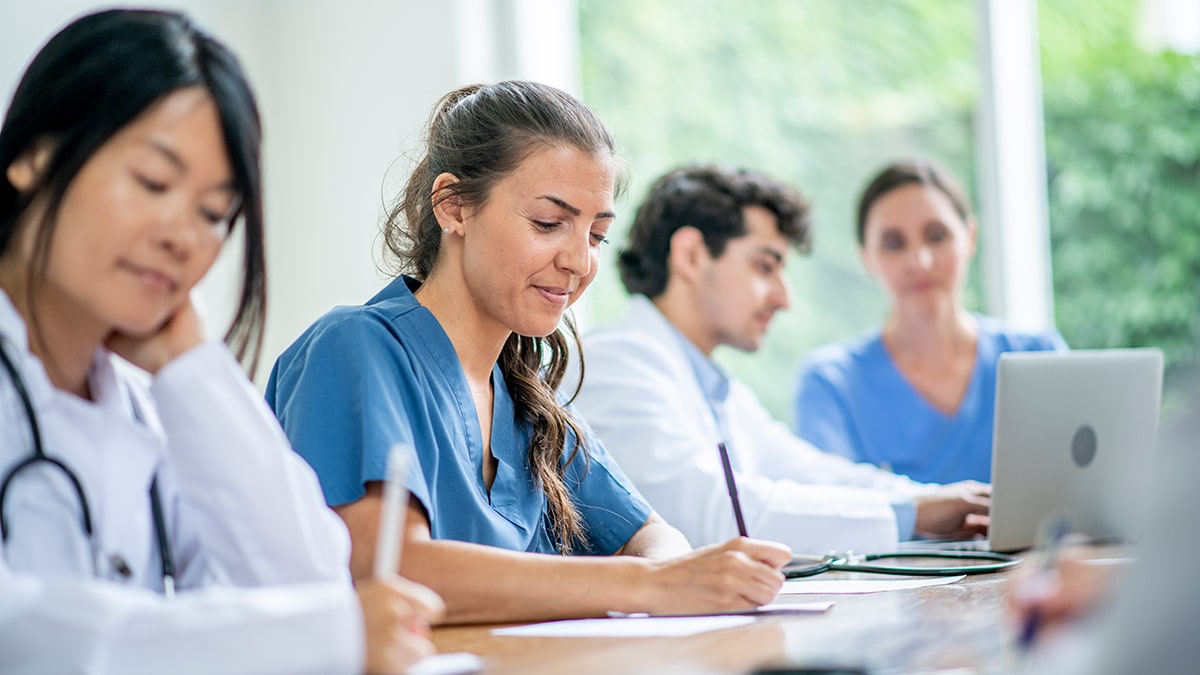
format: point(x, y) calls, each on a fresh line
point(731, 484)
point(391, 522)
point(1050, 538)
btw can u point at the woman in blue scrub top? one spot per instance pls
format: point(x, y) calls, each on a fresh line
point(915, 395)
point(499, 231)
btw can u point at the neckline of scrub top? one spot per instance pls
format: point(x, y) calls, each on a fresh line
point(506, 448)
point(879, 350)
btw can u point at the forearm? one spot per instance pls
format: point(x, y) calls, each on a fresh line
point(482, 584)
point(105, 628)
point(238, 480)
point(656, 539)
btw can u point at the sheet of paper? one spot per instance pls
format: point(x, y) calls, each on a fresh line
point(454, 663)
point(631, 627)
point(794, 608)
point(849, 586)
point(778, 608)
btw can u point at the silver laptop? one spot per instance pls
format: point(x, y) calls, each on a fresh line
point(1074, 436)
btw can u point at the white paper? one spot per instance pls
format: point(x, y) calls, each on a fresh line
point(849, 586)
point(454, 663)
point(780, 608)
point(794, 608)
point(636, 627)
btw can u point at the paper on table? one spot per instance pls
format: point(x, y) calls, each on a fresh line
point(793, 608)
point(779, 608)
point(454, 663)
point(636, 627)
point(847, 586)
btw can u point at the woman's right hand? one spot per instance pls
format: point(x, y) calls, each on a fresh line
point(397, 615)
point(739, 574)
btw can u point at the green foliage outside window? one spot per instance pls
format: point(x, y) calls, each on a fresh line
point(821, 93)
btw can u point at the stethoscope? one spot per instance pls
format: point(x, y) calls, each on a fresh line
point(847, 562)
point(39, 456)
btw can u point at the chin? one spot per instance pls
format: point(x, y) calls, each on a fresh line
point(142, 326)
point(535, 332)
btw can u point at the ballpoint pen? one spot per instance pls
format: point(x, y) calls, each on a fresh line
point(731, 484)
point(1050, 537)
point(395, 503)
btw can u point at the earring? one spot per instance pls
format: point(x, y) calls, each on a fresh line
point(445, 230)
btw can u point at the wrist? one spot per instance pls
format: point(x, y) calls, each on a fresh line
point(639, 585)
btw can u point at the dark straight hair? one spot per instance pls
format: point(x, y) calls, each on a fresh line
point(480, 134)
point(98, 75)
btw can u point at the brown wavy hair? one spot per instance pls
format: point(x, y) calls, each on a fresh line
point(480, 134)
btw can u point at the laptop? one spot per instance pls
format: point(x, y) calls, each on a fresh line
point(1074, 436)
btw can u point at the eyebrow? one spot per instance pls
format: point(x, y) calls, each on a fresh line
point(776, 255)
point(173, 157)
point(574, 210)
point(166, 151)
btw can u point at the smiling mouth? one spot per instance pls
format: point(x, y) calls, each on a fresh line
point(153, 278)
point(557, 296)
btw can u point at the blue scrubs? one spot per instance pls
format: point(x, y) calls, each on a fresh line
point(363, 378)
point(853, 401)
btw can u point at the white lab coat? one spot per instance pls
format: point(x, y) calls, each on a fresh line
point(642, 398)
point(261, 562)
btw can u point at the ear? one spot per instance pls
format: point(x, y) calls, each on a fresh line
point(27, 168)
point(687, 254)
point(972, 235)
point(448, 211)
point(866, 262)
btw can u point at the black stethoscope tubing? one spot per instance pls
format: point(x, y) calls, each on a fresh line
point(991, 562)
point(39, 456)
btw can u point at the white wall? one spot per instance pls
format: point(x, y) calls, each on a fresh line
point(345, 88)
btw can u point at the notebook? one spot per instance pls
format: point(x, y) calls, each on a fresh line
point(1074, 436)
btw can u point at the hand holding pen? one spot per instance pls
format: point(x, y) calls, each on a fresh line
point(397, 613)
point(1043, 583)
point(1052, 596)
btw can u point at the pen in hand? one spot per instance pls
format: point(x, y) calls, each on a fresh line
point(731, 484)
point(391, 522)
point(1042, 582)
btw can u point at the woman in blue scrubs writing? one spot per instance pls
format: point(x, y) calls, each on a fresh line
point(499, 230)
point(915, 395)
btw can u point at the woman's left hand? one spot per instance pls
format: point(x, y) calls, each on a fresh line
point(181, 331)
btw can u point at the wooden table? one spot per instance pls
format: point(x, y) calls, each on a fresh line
point(962, 627)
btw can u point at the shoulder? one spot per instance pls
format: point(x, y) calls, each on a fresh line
point(349, 347)
point(346, 333)
point(1007, 338)
point(642, 334)
point(843, 359)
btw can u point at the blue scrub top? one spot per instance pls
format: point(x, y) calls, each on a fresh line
point(853, 401)
point(364, 378)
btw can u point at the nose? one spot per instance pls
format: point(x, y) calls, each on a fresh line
point(782, 295)
point(575, 255)
point(175, 232)
point(923, 257)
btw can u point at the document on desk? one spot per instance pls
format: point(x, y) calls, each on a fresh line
point(645, 625)
point(851, 586)
point(675, 626)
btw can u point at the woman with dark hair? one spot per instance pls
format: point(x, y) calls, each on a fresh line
point(499, 231)
point(131, 153)
point(916, 394)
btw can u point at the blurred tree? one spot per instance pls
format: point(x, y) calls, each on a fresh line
point(821, 93)
point(1123, 147)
